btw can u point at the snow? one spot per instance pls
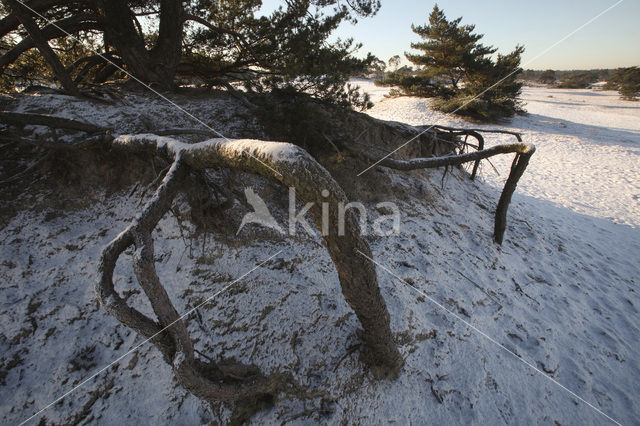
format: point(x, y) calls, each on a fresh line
point(587, 148)
point(561, 292)
point(162, 142)
point(138, 112)
point(278, 151)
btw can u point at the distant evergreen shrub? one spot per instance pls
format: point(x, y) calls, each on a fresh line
point(626, 81)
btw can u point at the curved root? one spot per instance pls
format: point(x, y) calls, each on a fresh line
point(523, 153)
point(295, 168)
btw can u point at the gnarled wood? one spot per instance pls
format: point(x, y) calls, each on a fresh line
point(72, 24)
point(453, 160)
point(297, 169)
point(523, 154)
point(26, 119)
point(169, 334)
point(11, 22)
point(477, 134)
point(24, 15)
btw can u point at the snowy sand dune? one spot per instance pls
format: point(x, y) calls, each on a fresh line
point(578, 259)
point(588, 147)
point(562, 293)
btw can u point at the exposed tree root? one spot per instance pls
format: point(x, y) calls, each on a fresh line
point(24, 119)
point(477, 134)
point(297, 169)
point(523, 153)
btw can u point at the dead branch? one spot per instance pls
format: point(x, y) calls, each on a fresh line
point(25, 119)
point(476, 133)
point(453, 160)
point(518, 167)
point(523, 153)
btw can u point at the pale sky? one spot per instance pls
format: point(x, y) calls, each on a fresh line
point(610, 41)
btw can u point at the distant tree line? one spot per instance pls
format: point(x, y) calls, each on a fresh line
point(574, 79)
point(625, 80)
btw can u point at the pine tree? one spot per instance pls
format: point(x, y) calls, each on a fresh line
point(626, 81)
point(456, 69)
point(451, 53)
point(212, 42)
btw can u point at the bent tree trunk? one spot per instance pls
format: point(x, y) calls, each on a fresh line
point(293, 167)
point(72, 24)
point(24, 16)
point(520, 162)
point(11, 22)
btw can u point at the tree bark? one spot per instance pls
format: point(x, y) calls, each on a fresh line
point(523, 154)
point(120, 31)
point(24, 15)
point(11, 22)
point(295, 168)
point(167, 52)
point(57, 29)
point(157, 66)
point(453, 160)
point(518, 167)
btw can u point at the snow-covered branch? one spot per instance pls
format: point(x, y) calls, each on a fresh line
point(523, 153)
